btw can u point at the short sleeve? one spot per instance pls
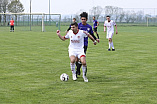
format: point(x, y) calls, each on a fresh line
point(114, 23)
point(104, 23)
point(91, 31)
point(66, 36)
point(85, 35)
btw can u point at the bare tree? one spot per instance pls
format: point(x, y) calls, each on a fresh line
point(117, 12)
point(113, 11)
point(3, 6)
point(133, 16)
point(122, 15)
point(96, 11)
point(127, 16)
point(109, 10)
point(140, 15)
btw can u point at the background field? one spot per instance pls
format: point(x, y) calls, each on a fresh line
point(31, 63)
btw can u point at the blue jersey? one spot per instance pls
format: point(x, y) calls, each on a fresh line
point(87, 28)
point(95, 23)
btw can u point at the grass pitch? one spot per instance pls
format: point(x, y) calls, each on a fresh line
point(31, 64)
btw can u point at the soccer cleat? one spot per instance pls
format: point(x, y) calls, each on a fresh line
point(85, 79)
point(74, 77)
point(109, 49)
point(113, 49)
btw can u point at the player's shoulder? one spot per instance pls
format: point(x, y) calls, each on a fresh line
point(112, 21)
point(81, 31)
point(70, 31)
point(106, 21)
point(79, 24)
point(89, 25)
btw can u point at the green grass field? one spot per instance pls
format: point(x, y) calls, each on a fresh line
point(31, 64)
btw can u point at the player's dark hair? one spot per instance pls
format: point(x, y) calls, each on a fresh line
point(84, 14)
point(74, 19)
point(75, 23)
point(108, 16)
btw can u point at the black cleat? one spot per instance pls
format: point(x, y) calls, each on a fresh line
point(109, 49)
point(113, 49)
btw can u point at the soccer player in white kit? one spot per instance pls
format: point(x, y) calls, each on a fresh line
point(110, 31)
point(76, 48)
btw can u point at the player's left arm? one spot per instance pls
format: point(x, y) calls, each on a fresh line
point(91, 33)
point(94, 41)
point(97, 23)
point(116, 29)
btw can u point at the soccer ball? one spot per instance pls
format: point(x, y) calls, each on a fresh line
point(64, 77)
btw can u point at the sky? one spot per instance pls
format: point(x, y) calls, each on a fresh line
point(74, 6)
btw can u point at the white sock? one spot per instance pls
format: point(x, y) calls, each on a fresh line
point(72, 66)
point(84, 67)
point(112, 45)
point(109, 45)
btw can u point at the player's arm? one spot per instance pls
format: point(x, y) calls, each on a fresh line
point(94, 41)
point(104, 27)
point(97, 23)
point(61, 37)
point(69, 28)
point(116, 29)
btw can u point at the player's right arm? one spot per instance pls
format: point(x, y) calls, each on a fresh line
point(61, 37)
point(91, 37)
point(104, 27)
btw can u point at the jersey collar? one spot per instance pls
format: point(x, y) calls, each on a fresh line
point(76, 32)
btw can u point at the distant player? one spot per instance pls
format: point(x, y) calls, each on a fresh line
point(95, 26)
point(110, 31)
point(74, 20)
point(11, 25)
point(86, 27)
point(76, 49)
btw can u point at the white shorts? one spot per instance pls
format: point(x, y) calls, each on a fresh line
point(109, 35)
point(77, 53)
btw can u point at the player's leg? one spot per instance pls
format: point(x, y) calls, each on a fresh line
point(13, 28)
point(112, 43)
point(72, 57)
point(110, 35)
point(95, 30)
point(10, 28)
point(109, 42)
point(84, 67)
point(79, 64)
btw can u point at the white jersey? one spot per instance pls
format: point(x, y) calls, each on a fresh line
point(110, 26)
point(76, 40)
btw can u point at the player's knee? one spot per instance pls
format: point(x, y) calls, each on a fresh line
point(72, 61)
point(83, 62)
point(110, 40)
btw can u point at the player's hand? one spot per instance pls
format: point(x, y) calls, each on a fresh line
point(58, 32)
point(116, 32)
point(94, 42)
point(104, 30)
point(98, 40)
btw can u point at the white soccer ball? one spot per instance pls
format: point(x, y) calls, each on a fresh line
point(64, 77)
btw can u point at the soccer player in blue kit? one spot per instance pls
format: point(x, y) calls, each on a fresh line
point(88, 28)
point(95, 26)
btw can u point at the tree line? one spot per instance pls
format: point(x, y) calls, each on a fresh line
point(118, 14)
